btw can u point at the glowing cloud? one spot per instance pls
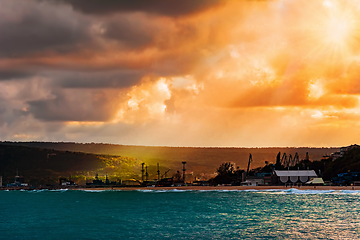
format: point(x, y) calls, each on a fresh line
point(204, 73)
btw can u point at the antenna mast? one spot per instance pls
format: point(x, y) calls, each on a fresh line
point(146, 174)
point(142, 171)
point(184, 171)
point(158, 172)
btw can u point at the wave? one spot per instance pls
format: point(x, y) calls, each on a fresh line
point(262, 191)
point(46, 190)
point(176, 190)
point(164, 190)
point(307, 191)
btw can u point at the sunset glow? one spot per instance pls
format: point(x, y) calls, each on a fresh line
point(204, 73)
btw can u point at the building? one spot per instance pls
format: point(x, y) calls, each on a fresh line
point(19, 182)
point(316, 181)
point(165, 182)
point(66, 182)
point(131, 182)
point(200, 183)
point(343, 150)
point(292, 176)
point(265, 176)
point(346, 178)
point(335, 155)
point(253, 182)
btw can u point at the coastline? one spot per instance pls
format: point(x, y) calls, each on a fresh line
point(228, 188)
point(189, 188)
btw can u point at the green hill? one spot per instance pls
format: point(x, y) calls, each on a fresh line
point(350, 162)
point(45, 166)
point(201, 162)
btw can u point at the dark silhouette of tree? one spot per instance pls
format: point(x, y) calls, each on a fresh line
point(226, 168)
point(349, 162)
point(278, 161)
point(177, 176)
point(227, 175)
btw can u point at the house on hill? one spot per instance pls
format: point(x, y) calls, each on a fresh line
point(342, 151)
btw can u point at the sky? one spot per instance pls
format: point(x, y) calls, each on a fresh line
point(181, 73)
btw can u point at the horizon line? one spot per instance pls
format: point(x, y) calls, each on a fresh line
point(136, 145)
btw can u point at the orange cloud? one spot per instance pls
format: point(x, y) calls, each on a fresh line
point(248, 73)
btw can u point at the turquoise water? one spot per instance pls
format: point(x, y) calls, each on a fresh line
point(286, 214)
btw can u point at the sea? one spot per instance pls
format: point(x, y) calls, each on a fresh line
point(180, 214)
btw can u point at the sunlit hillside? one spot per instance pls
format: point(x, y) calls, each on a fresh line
point(46, 166)
point(201, 162)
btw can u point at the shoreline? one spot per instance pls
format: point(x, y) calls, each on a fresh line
point(192, 188)
point(230, 188)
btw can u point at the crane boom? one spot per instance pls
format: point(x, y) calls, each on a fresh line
point(250, 160)
point(296, 159)
point(165, 173)
point(284, 160)
point(289, 162)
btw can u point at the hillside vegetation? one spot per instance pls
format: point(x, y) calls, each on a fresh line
point(45, 166)
point(42, 162)
point(200, 161)
point(350, 162)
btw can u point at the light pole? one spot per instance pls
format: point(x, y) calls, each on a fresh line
point(184, 171)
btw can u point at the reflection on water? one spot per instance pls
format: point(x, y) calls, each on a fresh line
point(175, 214)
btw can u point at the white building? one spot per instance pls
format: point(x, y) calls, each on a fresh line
point(294, 176)
point(316, 181)
point(253, 182)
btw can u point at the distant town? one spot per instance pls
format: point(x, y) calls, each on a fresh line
point(340, 168)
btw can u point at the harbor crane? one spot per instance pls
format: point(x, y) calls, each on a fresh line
point(158, 171)
point(290, 161)
point(295, 160)
point(250, 160)
point(165, 173)
point(284, 160)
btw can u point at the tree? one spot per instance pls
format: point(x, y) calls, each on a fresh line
point(177, 176)
point(225, 174)
point(278, 161)
point(226, 168)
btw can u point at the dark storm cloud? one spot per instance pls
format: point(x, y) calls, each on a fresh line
point(42, 29)
point(15, 74)
point(103, 79)
point(129, 33)
point(2, 110)
point(162, 7)
point(35, 30)
point(71, 107)
point(8, 115)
